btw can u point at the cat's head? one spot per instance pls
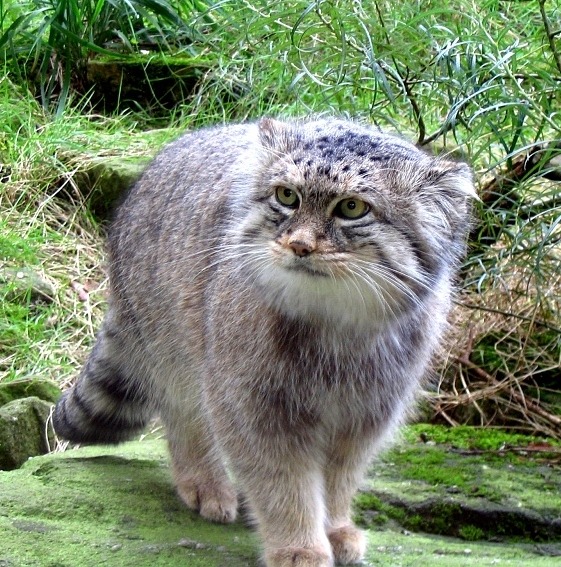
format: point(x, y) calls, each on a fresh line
point(347, 223)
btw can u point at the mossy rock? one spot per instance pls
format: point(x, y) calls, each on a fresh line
point(116, 506)
point(105, 183)
point(468, 482)
point(30, 387)
point(148, 82)
point(23, 431)
point(24, 284)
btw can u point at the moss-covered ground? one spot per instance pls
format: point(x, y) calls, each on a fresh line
point(468, 482)
point(116, 506)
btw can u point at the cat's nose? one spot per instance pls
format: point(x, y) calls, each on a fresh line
point(300, 248)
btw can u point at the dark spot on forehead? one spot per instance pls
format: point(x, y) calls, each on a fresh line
point(323, 169)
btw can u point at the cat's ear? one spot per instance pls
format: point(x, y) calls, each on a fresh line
point(451, 179)
point(273, 134)
point(447, 191)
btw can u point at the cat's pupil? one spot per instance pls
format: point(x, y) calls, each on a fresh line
point(351, 205)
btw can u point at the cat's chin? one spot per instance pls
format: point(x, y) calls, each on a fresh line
point(307, 294)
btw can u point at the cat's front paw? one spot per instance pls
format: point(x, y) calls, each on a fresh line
point(216, 502)
point(298, 557)
point(348, 544)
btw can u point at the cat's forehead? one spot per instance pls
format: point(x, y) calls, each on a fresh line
point(342, 157)
point(340, 140)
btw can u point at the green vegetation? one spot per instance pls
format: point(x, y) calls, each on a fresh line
point(472, 439)
point(474, 79)
point(116, 506)
point(437, 481)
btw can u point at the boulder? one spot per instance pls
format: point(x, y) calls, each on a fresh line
point(116, 506)
point(43, 389)
point(23, 431)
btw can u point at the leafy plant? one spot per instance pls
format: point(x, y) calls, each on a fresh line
point(50, 41)
point(478, 80)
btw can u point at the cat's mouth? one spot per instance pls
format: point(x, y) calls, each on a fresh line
point(302, 265)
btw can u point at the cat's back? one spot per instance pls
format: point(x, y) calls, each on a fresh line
point(191, 172)
point(180, 198)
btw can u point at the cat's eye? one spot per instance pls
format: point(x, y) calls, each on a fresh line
point(351, 209)
point(287, 197)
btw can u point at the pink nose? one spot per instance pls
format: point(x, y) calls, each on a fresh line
point(300, 248)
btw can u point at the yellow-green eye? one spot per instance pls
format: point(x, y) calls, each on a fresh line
point(351, 208)
point(287, 197)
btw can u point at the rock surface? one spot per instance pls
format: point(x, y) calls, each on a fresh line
point(24, 282)
point(116, 506)
point(23, 431)
point(105, 183)
point(38, 387)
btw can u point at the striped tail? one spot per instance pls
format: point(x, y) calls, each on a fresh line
point(105, 405)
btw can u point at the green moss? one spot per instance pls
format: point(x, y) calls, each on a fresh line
point(471, 533)
point(117, 506)
point(430, 486)
point(16, 389)
point(98, 507)
point(156, 59)
point(470, 438)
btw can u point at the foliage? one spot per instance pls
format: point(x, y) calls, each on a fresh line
point(51, 40)
point(479, 80)
point(45, 228)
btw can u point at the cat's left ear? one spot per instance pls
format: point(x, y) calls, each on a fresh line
point(273, 134)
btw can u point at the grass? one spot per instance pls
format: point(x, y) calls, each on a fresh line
point(47, 230)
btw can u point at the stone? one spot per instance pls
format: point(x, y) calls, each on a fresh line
point(24, 281)
point(24, 431)
point(105, 183)
point(117, 506)
point(43, 389)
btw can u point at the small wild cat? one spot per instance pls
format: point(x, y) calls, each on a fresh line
point(277, 292)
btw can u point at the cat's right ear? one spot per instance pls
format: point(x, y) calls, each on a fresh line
point(273, 134)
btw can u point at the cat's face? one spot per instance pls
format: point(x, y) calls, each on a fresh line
point(330, 233)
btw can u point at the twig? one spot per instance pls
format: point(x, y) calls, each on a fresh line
point(550, 35)
point(520, 398)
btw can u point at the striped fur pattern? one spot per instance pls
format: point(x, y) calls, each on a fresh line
point(277, 292)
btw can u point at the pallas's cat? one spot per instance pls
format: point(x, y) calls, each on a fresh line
point(277, 292)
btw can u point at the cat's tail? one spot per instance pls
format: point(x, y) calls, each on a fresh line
point(107, 404)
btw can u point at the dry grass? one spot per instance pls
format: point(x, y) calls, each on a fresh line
point(504, 363)
point(50, 336)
